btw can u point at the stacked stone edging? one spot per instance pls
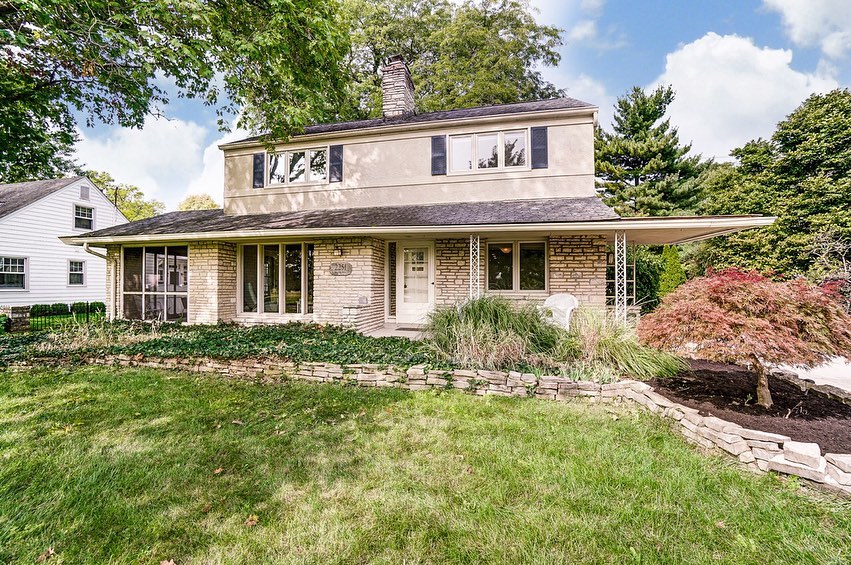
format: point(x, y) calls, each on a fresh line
point(759, 451)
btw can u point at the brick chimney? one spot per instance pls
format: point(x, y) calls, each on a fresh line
point(397, 89)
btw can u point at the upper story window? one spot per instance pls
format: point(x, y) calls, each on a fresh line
point(84, 217)
point(298, 167)
point(76, 273)
point(13, 273)
point(488, 151)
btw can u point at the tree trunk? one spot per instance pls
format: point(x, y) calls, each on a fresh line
point(763, 394)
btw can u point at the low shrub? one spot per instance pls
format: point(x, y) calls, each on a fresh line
point(97, 307)
point(39, 310)
point(79, 307)
point(59, 308)
point(4, 323)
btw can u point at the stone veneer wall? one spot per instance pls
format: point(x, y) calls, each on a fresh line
point(577, 264)
point(113, 281)
point(759, 451)
point(212, 282)
point(355, 300)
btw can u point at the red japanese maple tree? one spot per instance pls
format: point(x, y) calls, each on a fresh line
point(737, 316)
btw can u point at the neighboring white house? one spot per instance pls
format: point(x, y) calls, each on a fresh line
point(35, 266)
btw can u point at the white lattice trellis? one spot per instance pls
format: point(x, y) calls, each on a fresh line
point(620, 276)
point(475, 267)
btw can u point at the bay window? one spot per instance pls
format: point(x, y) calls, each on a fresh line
point(156, 283)
point(517, 266)
point(488, 151)
point(276, 278)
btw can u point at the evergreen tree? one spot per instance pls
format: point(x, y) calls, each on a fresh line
point(642, 168)
point(673, 274)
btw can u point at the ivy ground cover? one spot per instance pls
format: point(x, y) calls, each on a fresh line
point(126, 465)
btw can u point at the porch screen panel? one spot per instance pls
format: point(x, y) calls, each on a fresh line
point(154, 307)
point(249, 278)
point(500, 266)
point(271, 278)
point(154, 269)
point(133, 306)
point(133, 270)
point(292, 278)
point(178, 269)
point(533, 274)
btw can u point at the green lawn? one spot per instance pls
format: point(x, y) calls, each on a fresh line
point(142, 466)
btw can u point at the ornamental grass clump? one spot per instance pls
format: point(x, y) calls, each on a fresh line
point(738, 316)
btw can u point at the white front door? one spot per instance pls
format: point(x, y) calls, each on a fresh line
point(414, 282)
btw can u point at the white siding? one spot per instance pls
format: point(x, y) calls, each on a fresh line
point(33, 232)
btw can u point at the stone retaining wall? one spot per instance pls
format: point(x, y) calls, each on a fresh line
point(759, 451)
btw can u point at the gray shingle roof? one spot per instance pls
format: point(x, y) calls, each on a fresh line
point(15, 196)
point(550, 210)
point(481, 111)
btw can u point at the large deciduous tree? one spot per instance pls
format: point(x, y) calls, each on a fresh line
point(126, 197)
point(278, 61)
point(802, 175)
point(198, 202)
point(642, 168)
point(460, 54)
point(743, 317)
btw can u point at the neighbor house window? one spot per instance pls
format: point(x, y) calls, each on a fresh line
point(13, 273)
point(76, 273)
point(276, 278)
point(156, 283)
point(517, 266)
point(488, 151)
point(84, 217)
point(298, 167)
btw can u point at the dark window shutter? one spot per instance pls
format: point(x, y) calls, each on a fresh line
point(438, 155)
point(259, 170)
point(540, 158)
point(335, 164)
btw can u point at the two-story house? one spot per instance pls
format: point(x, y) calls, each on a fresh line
point(35, 266)
point(377, 222)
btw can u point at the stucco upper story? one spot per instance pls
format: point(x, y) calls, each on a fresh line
point(391, 161)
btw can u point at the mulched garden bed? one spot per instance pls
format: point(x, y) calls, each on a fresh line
point(729, 392)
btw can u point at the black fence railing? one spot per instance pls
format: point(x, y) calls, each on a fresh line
point(48, 316)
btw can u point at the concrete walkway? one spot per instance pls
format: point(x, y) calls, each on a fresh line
point(835, 373)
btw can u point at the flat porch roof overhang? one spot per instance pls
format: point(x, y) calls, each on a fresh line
point(642, 231)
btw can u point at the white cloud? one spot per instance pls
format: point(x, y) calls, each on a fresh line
point(822, 23)
point(583, 31)
point(211, 179)
point(161, 158)
point(729, 91)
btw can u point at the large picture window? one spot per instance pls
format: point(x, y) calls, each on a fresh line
point(13, 273)
point(277, 278)
point(156, 283)
point(488, 151)
point(517, 266)
point(298, 167)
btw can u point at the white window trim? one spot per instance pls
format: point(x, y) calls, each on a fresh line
point(515, 268)
point(26, 273)
point(68, 273)
point(286, 162)
point(74, 216)
point(143, 293)
point(281, 313)
point(474, 148)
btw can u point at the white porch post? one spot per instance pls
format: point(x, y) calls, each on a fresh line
point(620, 276)
point(475, 267)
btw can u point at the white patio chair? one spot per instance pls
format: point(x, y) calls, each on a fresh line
point(560, 307)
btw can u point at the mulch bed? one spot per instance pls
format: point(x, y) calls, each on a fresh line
point(729, 392)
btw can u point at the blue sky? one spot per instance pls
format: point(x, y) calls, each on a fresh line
point(738, 68)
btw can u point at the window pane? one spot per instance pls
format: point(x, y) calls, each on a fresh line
point(533, 270)
point(154, 307)
point(310, 278)
point(297, 166)
point(133, 306)
point(500, 266)
point(176, 310)
point(515, 148)
point(487, 151)
point(249, 278)
point(178, 269)
point(271, 278)
point(293, 279)
point(462, 153)
point(83, 217)
point(154, 269)
point(318, 165)
point(12, 272)
point(8, 280)
point(133, 271)
point(277, 168)
point(415, 271)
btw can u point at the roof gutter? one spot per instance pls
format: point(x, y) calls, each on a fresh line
point(88, 250)
point(717, 226)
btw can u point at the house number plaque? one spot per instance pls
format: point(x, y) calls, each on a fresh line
point(341, 269)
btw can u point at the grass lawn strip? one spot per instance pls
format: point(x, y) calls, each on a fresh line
point(144, 465)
